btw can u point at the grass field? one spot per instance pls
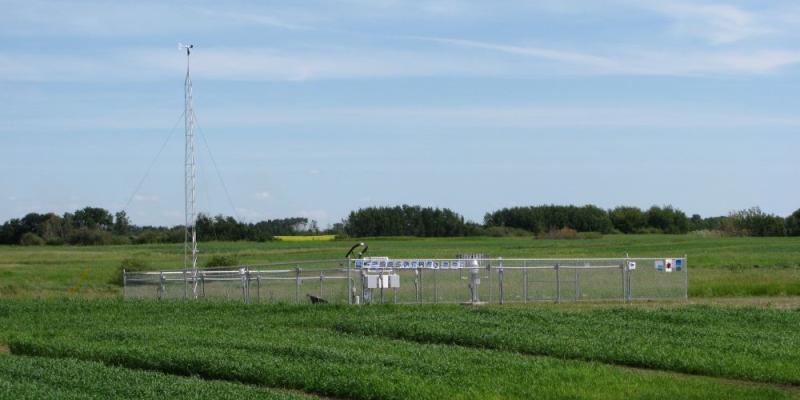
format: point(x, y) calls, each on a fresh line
point(719, 266)
point(403, 352)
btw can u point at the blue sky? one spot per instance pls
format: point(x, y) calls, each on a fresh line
point(316, 108)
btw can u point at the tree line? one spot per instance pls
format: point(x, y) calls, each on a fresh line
point(540, 220)
point(93, 225)
point(98, 226)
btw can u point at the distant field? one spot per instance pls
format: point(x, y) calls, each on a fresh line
point(718, 266)
point(305, 238)
point(399, 352)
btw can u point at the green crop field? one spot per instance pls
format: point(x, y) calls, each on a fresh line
point(398, 352)
point(64, 332)
point(720, 266)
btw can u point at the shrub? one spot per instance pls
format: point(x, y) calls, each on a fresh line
point(754, 222)
point(559, 234)
point(505, 231)
point(590, 235)
point(706, 233)
point(128, 264)
point(89, 237)
point(222, 260)
point(31, 239)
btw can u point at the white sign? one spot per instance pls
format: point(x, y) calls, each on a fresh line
point(668, 265)
point(631, 265)
point(408, 264)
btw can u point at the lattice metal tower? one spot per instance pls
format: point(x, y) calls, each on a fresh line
point(190, 179)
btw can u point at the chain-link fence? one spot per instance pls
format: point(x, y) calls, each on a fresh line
point(483, 280)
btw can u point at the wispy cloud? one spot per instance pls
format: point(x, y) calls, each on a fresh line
point(571, 57)
point(263, 195)
point(253, 17)
point(457, 58)
point(648, 62)
point(716, 23)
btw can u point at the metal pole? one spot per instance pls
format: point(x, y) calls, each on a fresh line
point(297, 285)
point(558, 284)
point(349, 283)
point(380, 283)
point(421, 288)
point(577, 284)
point(321, 279)
point(435, 286)
point(124, 284)
point(258, 287)
point(491, 288)
point(416, 284)
point(686, 277)
point(624, 286)
point(525, 281)
point(161, 288)
point(246, 285)
point(500, 282)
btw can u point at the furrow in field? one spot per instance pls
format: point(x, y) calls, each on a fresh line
point(356, 367)
point(24, 377)
point(743, 344)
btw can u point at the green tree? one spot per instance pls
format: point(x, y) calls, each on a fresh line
point(122, 225)
point(628, 219)
point(793, 224)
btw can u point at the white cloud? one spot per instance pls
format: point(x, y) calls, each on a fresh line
point(313, 171)
point(263, 195)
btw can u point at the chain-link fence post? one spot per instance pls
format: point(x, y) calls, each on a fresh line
point(489, 273)
point(349, 283)
point(558, 284)
point(161, 288)
point(525, 281)
point(500, 282)
point(258, 287)
point(686, 277)
point(297, 285)
point(416, 285)
point(321, 280)
point(435, 286)
point(124, 284)
point(623, 280)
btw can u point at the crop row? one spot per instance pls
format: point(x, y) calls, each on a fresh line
point(44, 378)
point(293, 347)
point(752, 344)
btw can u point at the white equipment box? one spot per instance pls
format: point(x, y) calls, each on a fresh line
point(385, 281)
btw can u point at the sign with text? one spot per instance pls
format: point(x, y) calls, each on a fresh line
point(410, 264)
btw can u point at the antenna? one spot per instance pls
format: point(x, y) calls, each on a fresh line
point(190, 177)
